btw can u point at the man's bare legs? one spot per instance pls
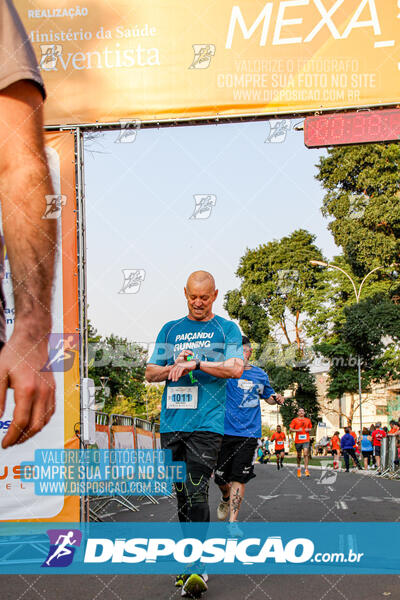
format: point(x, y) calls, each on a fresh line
point(306, 458)
point(235, 492)
point(236, 497)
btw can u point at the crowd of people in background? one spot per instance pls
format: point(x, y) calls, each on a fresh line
point(362, 450)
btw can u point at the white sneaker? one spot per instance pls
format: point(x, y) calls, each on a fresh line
point(234, 530)
point(223, 510)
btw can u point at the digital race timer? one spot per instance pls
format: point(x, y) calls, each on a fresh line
point(352, 128)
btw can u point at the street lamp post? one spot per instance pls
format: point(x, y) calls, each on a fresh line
point(357, 293)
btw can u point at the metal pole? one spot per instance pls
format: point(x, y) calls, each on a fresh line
point(81, 214)
point(359, 389)
point(82, 284)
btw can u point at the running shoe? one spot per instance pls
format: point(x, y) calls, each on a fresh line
point(223, 510)
point(234, 530)
point(307, 473)
point(194, 586)
point(277, 466)
point(298, 472)
point(180, 580)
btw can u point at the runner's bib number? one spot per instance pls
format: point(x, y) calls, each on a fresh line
point(302, 436)
point(182, 397)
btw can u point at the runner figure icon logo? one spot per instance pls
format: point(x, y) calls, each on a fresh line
point(203, 54)
point(328, 476)
point(54, 205)
point(278, 131)
point(132, 280)
point(204, 204)
point(50, 54)
point(62, 351)
point(63, 543)
point(128, 132)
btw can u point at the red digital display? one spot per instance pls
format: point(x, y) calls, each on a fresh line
point(352, 128)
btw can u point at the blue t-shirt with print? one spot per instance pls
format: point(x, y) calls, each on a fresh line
point(215, 340)
point(243, 412)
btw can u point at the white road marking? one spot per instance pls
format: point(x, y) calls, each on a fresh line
point(341, 504)
point(269, 497)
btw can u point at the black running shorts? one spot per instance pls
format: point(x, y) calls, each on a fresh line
point(236, 460)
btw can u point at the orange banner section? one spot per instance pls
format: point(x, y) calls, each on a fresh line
point(63, 144)
point(128, 59)
point(18, 500)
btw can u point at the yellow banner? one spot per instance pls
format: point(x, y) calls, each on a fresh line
point(173, 59)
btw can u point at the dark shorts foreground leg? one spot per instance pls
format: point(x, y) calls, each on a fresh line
point(199, 450)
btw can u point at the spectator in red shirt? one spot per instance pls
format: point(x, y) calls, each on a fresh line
point(395, 432)
point(377, 436)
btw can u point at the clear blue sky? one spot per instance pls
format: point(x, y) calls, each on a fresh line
point(140, 199)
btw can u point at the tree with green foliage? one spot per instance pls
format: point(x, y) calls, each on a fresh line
point(148, 407)
point(362, 199)
point(371, 331)
point(304, 391)
point(121, 363)
point(278, 289)
point(362, 185)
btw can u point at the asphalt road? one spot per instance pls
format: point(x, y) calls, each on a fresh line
point(272, 496)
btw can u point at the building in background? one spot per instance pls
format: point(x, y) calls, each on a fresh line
point(382, 404)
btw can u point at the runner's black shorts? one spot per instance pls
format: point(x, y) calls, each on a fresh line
point(198, 449)
point(279, 451)
point(236, 460)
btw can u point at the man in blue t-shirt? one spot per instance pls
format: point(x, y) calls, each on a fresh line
point(235, 465)
point(193, 402)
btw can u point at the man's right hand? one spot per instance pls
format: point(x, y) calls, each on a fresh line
point(21, 361)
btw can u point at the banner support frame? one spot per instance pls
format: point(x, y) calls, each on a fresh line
point(216, 119)
point(82, 284)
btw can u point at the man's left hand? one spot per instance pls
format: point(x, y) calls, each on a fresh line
point(181, 367)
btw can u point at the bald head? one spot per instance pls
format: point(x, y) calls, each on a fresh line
point(200, 293)
point(203, 278)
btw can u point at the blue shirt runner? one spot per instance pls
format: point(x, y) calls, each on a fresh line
point(243, 412)
point(200, 406)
